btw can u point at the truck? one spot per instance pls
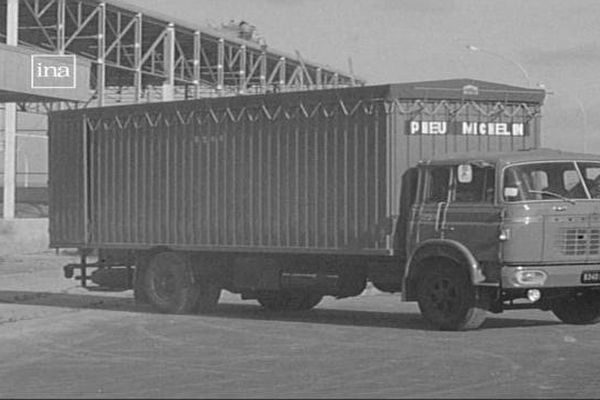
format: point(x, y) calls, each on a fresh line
point(439, 190)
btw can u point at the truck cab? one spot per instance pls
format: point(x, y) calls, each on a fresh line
point(501, 231)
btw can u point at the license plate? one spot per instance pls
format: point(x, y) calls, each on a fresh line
point(590, 277)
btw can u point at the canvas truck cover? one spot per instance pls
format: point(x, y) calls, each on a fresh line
point(316, 171)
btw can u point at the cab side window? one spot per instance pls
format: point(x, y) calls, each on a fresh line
point(436, 189)
point(591, 175)
point(479, 190)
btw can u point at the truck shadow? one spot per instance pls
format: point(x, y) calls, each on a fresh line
point(252, 311)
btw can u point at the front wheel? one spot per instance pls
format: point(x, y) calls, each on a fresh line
point(168, 283)
point(448, 300)
point(581, 309)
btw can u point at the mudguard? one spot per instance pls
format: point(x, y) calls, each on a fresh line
point(445, 248)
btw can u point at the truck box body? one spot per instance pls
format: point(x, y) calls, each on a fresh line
point(316, 171)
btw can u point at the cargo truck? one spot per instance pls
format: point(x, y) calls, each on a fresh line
point(438, 190)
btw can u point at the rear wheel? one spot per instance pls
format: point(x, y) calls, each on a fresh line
point(274, 301)
point(581, 309)
point(168, 282)
point(208, 296)
point(307, 301)
point(448, 300)
point(139, 292)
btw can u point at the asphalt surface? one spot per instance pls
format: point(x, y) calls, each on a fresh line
point(59, 340)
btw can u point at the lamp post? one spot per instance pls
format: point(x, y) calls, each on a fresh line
point(510, 60)
point(540, 85)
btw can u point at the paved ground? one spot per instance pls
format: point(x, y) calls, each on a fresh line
point(58, 340)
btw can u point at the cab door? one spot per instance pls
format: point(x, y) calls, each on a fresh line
point(472, 216)
point(428, 211)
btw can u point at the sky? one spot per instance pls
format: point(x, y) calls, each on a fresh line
point(554, 43)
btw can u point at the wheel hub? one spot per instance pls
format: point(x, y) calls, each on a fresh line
point(444, 296)
point(165, 285)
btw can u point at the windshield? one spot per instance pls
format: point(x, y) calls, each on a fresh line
point(552, 181)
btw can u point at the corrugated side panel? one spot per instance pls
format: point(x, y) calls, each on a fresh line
point(303, 176)
point(66, 181)
point(407, 149)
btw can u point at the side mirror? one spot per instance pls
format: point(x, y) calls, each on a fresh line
point(465, 173)
point(510, 192)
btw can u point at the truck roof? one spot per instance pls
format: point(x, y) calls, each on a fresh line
point(505, 158)
point(463, 89)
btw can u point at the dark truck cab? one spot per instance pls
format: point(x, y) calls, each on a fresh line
point(505, 231)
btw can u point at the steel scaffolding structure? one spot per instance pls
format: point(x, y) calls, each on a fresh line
point(139, 56)
point(142, 57)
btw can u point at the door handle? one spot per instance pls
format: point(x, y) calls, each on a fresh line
point(559, 208)
point(447, 228)
point(438, 222)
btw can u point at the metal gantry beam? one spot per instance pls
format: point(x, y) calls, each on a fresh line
point(135, 53)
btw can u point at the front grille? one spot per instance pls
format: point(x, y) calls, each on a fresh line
point(578, 241)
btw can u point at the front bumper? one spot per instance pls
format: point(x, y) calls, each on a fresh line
point(556, 276)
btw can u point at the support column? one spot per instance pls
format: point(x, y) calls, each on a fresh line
point(282, 73)
point(10, 159)
point(60, 26)
point(221, 66)
point(137, 57)
point(319, 78)
point(197, 64)
point(169, 64)
point(242, 73)
point(10, 120)
point(101, 71)
point(263, 71)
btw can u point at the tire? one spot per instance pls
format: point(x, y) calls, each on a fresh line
point(208, 297)
point(581, 309)
point(302, 301)
point(169, 284)
point(289, 300)
point(312, 301)
point(139, 293)
point(273, 301)
point(448, 300)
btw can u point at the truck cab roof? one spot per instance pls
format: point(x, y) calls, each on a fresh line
point(513, 157)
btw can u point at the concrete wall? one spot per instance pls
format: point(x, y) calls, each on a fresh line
point(23, 236)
